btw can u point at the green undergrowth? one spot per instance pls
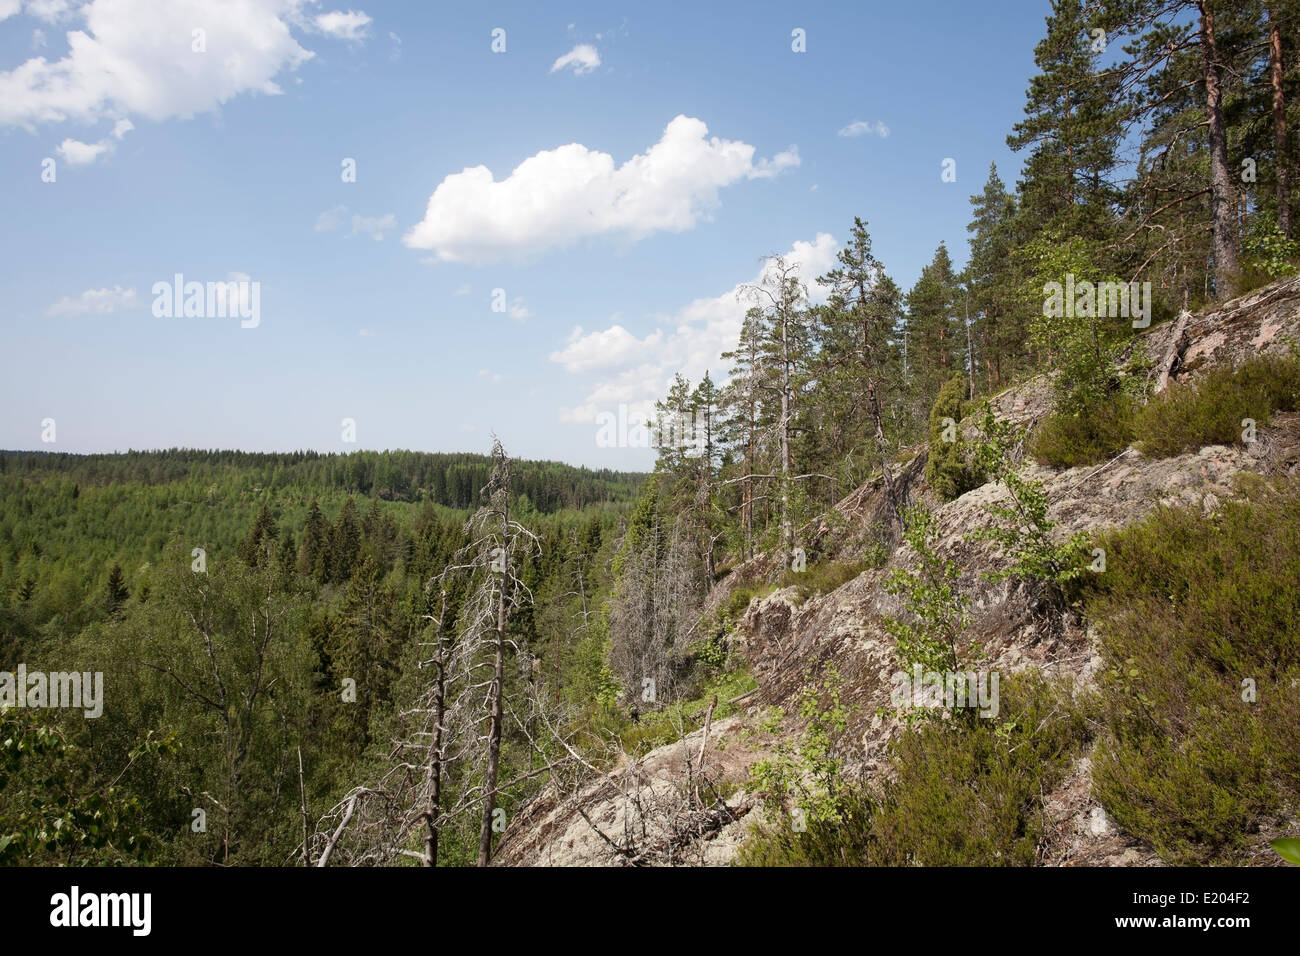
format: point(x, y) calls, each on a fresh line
point(959, 792)
point(1198, 619)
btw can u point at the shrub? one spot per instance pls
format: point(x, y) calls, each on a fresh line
point(969, 793)
point(1198, 622)
point(958, 793)
point(948, 469)
point(1210, 411)
point(1094, 433)
point(824, 577)
point(1022, 529)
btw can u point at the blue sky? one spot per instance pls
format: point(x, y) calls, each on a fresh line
point(617, 244)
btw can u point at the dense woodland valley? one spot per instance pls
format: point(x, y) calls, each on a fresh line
point(382, 658)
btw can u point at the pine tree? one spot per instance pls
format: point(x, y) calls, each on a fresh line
point(785, 336)
point(934, 334)
point(857, 327)
point(999, 328)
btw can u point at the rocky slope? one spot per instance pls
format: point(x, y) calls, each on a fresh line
point(781, 638)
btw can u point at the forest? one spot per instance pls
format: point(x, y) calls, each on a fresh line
point(382, 658)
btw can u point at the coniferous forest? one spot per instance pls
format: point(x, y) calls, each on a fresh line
point(402, 658)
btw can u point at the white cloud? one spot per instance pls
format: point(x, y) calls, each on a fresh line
point(373, 226)
point(9, 8)
point(77, 153)
point(462, 290)
point(493, 376)
point(518, 311)
point(51, 11)
point(343, 26)
point(559, 196)
point(94, 302)
point(691, 341)
point(614, 346)
point(331, 219)
point(864, 128)
point(583, 58)
point(38, 36)
point(767, 168)
point(137, 58)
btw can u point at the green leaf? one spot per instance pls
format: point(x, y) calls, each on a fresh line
point(1288, 848)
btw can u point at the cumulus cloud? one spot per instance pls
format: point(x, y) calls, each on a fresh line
point(77, 153)
point(8, 8)
point(562, 195)
point(614, 346)
point(94, 302)
point(637, 371)
point(343, 26)
point(583, 58)
point(138, 59)
point(864, 128)
point(51, 11)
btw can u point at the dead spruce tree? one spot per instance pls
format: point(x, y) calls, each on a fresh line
point(457, 722)
point(498, 546)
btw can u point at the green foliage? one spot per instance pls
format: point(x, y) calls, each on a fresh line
point(1287, 848)
point(957, 793)
point(845, 841)
point(1210, 411)
point(969, 793)
point(936, 609)
point(1022, 529)
point(948, 468)
point(53, 810)
point(1081, 347)
point(1267, 251)
point(823, 577)
point(1095, 431)
point(683, 717)
point(804, 776)
point(1198, 621)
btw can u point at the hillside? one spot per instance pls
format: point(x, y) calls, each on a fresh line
point(641, 810)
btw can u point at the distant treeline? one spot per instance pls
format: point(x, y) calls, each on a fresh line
point(450, 479)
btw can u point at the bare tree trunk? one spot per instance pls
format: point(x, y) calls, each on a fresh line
point(787, 524)
point(1279, 125)
point(302, 793)
point(434, 810)
point(498, 680)
point(1224, 228)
